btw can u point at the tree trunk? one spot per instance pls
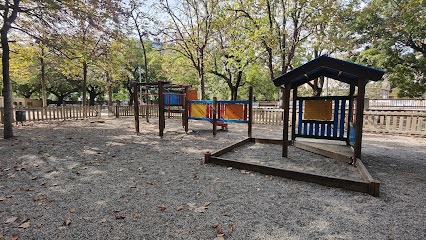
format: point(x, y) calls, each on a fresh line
point(7, 86)
point(92, 96)
point(60, 100)
point(109, 83)
point(43, 80)
point(84, 88)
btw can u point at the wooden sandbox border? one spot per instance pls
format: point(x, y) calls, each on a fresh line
point(369, 185)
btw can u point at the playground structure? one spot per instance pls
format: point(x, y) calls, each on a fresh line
point(174, 98)
point(317, 119)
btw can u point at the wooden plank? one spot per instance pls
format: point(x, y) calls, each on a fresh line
point(394, 125)
point(387, 127)
point(286, 100)
point(230, 148)
point(420, 125)
point(374, 185)
point(408, 124)
point(214, 116)
point(300, 176)
point(359, 118)
point(323, 152)
point(414, 124)
point(266, 141)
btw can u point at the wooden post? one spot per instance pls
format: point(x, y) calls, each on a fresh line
point(286, 103)
point(185, 105)
point(351, 98)
point(214, 116)
point(293, 117)
point(161, 106)
point(136, 106)
point(359, 118)
point(117, 114)
point(250, 112)
point(147, 105)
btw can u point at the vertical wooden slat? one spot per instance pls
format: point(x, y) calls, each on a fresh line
point(342, 118)
point(359, 119)
point(336, 117)
point(414, 124)
point(286, 100)
point(214, 115)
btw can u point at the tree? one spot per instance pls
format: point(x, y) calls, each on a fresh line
point(393, 35)
point(189, 30)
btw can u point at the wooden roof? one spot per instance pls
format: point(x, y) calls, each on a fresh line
point(324, 65)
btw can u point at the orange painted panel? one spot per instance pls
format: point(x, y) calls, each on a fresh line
point(234, 111)
point(192, 95)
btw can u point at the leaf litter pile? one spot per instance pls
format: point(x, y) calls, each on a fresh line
point(98, 180)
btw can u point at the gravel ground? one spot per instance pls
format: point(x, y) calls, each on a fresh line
point(83, 180)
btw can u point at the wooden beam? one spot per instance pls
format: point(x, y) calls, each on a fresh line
point(359, 118)
point(250, 112)
point(185, 114)
point(286, 103)
point(230, 148)
point(161, 117)
point(374, 185)
point(293, 116)
point(300, 176)
point(351, 97)
point(136, 106)
point(266, 141)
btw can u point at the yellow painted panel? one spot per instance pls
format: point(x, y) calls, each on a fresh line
point(198, 110)
point(234, 111)
point(318, 110)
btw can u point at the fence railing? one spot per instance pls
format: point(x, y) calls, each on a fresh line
point(406, 122)
point(396, 104)
point(55, 113)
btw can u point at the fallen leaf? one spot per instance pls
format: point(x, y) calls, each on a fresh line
point(26, 219)
point(219, 229)
point(120, 170)
point(67, 222)
point(140, 169)
point(11, 220)
point(25, 225)
point(119, 217)
point(191, 206)
point(218, 179)
point(206, 204)
point(47, 155)
point(200, 209)
point(231, 227)
point(163, 207)
point(30, 189)
point(229, 168)
point(195, 177)
point(136, 215)
point(102, 220)
point(179, 208)
point(132, 186)
point(14, 237)
point(72, 211)
point(84, 168)
point(215, 225)
point(34, 178)
point(6, 169)
point(150, 183)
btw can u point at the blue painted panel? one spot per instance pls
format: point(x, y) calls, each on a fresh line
point(322, 129)
point(352, 133)
point(316, 129)
point(311, 129)
point(172, 99)
point(329, 130)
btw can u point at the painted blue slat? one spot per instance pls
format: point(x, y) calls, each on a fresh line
point(342, 118)
point(336, 117)
point(316, 129)
point(299, 128)
point(311, 129)
point(322, 129)
point(329, 130)
point(200, 101)
point(233, 102)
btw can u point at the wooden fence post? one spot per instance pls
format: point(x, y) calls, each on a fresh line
point(214, 115)
point(136, 106)
point(250, 112)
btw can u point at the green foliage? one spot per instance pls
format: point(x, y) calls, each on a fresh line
point(394, 32)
